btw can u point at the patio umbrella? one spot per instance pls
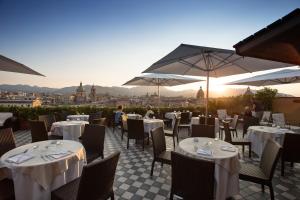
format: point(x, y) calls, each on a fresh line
point(279, 41)
point(285, 76)
point(160, 80)
point(9, 65)
point(209, 62)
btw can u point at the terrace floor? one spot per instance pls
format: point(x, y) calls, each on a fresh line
point(133, 181)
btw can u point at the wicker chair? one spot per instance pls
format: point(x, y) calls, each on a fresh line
point(136, 131)
point(291, 149)
point(201, 130)
point(174, 132)
point(48, 119)
point(263, 173)
point(95, 116)
point(38, 131)
point(99, 121)
point(7, 141)
point(249, 121)
point(93, 141)
point(192, 178)
point(96, 182)
point(211, 121)
point(236, 141)
point(232, 126)
point(185, 121)
point(7, 189)
point(160, 154)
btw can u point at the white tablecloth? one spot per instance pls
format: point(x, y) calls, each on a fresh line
point(150, 124)
point(227, 164)
point(70, 130)
point(134, 116)
point(258, 135)
point(34, 179)
point(172, 115)
point(78, 117)
point(195, 120)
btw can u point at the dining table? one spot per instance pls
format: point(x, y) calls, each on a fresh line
point(259, 135)
point(70, 130)
point(195, 120)
point(134, 116)
point(226, 159)
point(150, 124)
point(78, 117)
point(41, 167)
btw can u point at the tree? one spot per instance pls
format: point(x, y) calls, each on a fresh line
point(266, 97)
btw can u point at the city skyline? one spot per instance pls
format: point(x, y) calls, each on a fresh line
point(108, 43)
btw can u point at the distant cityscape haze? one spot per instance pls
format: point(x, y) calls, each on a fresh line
point(109, 42)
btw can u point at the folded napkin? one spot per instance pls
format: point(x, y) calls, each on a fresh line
point(228, 148)
point(19, 158)
point(207, 152)
point(59, 153)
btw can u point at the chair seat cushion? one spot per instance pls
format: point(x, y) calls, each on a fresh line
point(168, 132)
point(68, 191)
point(250, 171)
point(184, 125)
point(240, 140)
point(7, 189)
point(165, 157)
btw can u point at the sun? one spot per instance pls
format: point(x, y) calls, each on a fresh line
point(220, 89)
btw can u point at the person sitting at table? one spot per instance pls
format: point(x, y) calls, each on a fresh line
point(248, 112)
point(118, 113)
point(149, 114)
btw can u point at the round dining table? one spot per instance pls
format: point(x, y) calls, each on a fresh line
point(70, 130)
point(226, 159)
point(78, 117)
point(40, 167)
point(259, 135)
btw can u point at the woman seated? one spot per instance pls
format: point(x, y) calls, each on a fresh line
point(149, 114)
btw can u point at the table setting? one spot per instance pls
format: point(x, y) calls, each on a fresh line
point(78, 117)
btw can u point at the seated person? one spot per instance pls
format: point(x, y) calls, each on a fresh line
point(118, 113)
point(248, 112)
point(149, 114)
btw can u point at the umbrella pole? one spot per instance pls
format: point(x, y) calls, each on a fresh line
point(158, 92)
point(207, 96)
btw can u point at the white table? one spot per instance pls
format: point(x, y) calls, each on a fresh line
point(134, 116)
point(34, 179)
point(150, 124)
point(227, 164)
point(258, 135)
point(78, 117)
point(70, 130)
point(172, 115)
point(195, 120)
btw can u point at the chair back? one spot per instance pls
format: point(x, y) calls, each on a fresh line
point(185, 118)
point(278, 119)
point(38, 131)
point(266, 116)
point(234, 121)
point(158, 140)
point(175, 126)
point(196, 114)
point(249, 121)
point(228, 137)
point(48, 119)
point(201, 119)
point(97, 178)
point(7, 140)
point(95, 116)
point(192, 178)
point(99, 121)
point(202, 130)
point(93, 138)
point(211, 121)
point(222, 114)
point(135, 128)
point(270, 157)
point(291, 147)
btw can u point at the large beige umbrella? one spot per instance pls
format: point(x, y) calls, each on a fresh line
point(9, 65)
point(209, 62)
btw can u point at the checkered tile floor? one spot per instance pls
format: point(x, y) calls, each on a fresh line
point(133, 181)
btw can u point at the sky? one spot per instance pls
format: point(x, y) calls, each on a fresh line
point(109, 42)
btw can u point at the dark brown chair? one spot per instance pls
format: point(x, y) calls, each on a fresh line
point(93, 141)
point(236, 141)
point(185, 121)
point(7, 140)
point(174, 132)
point(232, 127)
point(96, 182)
point(249, 121)
point(201, 130)
point(7, 191)
point(160, 153)
point(201, 119)
point(136, 131)
point(95, 116)
point(38, 131)
point(48, 119)
point(192, 178)
point(99, 121)
point(211, 120)
point(263, 173)
point(291, 149)
point(196, 114)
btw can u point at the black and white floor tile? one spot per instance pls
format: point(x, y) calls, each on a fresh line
point(133, 181)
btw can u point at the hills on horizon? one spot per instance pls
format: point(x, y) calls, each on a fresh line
point(118, 91)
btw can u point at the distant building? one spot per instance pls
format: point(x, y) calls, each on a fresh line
point(248, 92)
point(80, 96)
point(200, 96)
point(30, 103)
point(92, 95)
